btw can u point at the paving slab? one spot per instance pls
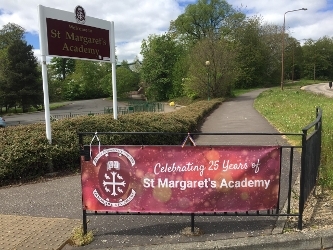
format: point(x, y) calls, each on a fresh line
point(27, 232)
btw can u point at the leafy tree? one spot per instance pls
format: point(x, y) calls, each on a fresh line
point(127, 80)
point(22, 84)
point(58, 70)
point(179, 75)
point(212, 69)
point(293, 57)
point(125, 64)
point(253, 54)
point(160, 53)
point(86, 81)
point(9, 33)
point(318, 56)
point(203, 19)
point(5, 100)
point(61, 67)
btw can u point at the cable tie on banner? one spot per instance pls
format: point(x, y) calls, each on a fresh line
point(188, 137)
point(99, 143)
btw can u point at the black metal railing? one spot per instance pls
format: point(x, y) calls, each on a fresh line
point(309, 169)
point(311, 150)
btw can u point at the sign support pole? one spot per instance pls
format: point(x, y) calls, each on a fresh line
point(113, 63)
point(46, 100)
point(42, 42)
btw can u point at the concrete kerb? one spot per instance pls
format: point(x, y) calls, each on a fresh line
point(302, 240)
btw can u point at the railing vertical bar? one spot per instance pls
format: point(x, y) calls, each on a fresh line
point(278, 201)
point(302, 181)
point(290, 178)
point(84, 221)
point(192, 222)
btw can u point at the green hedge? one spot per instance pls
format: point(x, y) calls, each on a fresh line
point(25, 153)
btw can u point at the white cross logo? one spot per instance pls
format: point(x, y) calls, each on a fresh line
point(116, 186)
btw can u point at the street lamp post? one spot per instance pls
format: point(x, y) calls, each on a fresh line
point(283, 37)
point(207, 65)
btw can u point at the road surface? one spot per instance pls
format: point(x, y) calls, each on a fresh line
point(320, 88)
point(73, 107)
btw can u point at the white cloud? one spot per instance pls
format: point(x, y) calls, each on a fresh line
point(312, 23)
point(135, 20)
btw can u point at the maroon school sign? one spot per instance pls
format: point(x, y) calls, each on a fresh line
point(76, 40)
point(75, 35)
point(181, 179)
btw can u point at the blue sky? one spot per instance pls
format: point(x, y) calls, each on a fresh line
point(136, 20)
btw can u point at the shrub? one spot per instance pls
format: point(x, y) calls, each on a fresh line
point(26, 154)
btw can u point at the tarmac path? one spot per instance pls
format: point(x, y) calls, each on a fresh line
point(61, 198)
point(320, 88)
point(72, 107)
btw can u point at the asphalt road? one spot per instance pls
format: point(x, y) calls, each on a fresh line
point(320, 88)
point(73, 107)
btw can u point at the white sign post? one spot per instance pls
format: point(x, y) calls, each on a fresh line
point(74, 35)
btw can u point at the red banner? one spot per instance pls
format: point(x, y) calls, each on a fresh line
point(181, 179)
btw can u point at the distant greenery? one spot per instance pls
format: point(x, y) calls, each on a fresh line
point(209, 50)
point(291, 110)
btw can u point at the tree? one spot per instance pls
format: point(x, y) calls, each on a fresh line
point(127, 80)
point(293, 57)
point(58, 70)
point(318, 56)
point(22, 84)
point(9, 33)
point(160, 53)
point(213, 79)
point(86, 81)
point(253, 53)
point(61, 67)
point(203, 19)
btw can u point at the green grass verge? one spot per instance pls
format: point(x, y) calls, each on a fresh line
point(292, 109)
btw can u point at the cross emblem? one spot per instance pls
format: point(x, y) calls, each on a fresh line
point(116, 183)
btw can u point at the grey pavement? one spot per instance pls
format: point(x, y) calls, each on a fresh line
point(60, 199)
point(71, 107)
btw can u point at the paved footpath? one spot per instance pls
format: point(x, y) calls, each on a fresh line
point(37, 215)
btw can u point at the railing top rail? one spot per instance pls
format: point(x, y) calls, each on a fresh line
point(174, 133)
point(318, 118)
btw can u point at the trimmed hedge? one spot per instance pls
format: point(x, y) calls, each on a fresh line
point(25, 153)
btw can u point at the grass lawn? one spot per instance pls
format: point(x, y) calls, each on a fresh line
point(291, 109)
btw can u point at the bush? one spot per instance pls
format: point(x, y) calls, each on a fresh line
point(25, 153)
